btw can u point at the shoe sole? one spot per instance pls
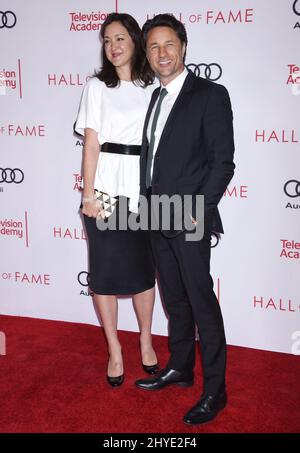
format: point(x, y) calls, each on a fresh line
point(183, 384)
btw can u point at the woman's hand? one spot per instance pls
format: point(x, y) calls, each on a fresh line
point(93, 209)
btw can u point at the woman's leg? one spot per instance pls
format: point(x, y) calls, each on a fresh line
point(143, 304)
point(107, 307)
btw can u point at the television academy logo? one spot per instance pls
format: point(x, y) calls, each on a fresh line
point(292, 190)
point(87, 21)
point(78, 181)
point(8, 19)
point(275, 304)
point(293, 80)
point(10, 80)
point(211, 71)
point(296, 10)
point(15, 228)
point(293, 74)
point(290, 249)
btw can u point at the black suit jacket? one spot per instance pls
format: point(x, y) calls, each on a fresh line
point(195, 151)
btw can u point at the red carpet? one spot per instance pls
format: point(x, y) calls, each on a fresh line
point(52, 379)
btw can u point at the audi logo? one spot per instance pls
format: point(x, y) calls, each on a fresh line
point(292, 188)
point(83, 278)
point(211, 71)
point(8, 19)
point(294, 8)
point(10, 175)
point(215, 238)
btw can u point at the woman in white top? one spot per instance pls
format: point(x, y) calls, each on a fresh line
point(111, 114)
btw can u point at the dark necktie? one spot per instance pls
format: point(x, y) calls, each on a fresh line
point(162, 94)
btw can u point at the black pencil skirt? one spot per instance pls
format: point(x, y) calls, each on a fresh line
point(120, 261)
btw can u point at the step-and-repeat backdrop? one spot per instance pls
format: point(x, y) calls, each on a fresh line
point(48, 50)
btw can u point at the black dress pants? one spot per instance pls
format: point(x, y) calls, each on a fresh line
point(187, 290)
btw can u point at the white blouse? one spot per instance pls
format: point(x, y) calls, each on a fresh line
point(117, 115)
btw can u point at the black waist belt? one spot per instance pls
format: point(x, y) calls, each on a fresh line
point(118, 148)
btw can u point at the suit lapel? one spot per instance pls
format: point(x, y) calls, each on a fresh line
point(186, 87)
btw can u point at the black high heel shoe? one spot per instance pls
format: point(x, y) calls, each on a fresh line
point(115, 381)
point(151, 369)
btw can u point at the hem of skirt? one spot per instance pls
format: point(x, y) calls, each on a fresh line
point(110, 292)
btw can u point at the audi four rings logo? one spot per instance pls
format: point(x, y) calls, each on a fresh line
point(10, 175)
point(83, 278)
point(8, 19)
point(292, 188)
point(212, 71)
point(295, 9)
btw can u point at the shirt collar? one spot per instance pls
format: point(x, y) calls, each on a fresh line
point(176, 84)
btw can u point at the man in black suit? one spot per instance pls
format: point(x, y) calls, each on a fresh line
point(187, 149)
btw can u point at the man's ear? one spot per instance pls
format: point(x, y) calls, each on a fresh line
point(183, 49)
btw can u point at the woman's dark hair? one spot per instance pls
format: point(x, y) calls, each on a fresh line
point(141, 73)
point(165, 20)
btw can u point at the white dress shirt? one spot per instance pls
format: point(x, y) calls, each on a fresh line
point(173, 89)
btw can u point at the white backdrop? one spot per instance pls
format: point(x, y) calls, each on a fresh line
point(47, 51)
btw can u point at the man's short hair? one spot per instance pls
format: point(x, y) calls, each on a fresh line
point(165, 20)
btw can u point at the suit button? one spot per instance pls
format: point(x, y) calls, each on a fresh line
point(157, 156)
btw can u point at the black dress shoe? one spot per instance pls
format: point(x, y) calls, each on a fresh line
point(206, 409)
point(151, 369)
point(115, 381)
point(166, 377)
